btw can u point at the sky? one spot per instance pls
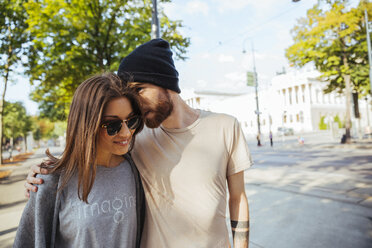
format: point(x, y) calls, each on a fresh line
point(219, 31)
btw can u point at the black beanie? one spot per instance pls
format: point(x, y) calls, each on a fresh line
point(151, 63)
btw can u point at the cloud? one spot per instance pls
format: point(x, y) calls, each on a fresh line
point(264, 4)
point(222, 58)
point(205, 55)
point(256, 8)
point(224, 5)
point(201, 83)
point(235, 76)
point(170, 9)
point(196, 6)
point(177, 11)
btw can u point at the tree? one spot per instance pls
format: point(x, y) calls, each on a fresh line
point(16, 122)
point(334, 39)
point(338, 121)
point(322, 125)
point(13, 38)
point(75, 39)
point(43, 128)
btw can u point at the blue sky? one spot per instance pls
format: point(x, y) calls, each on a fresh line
point(219, 31)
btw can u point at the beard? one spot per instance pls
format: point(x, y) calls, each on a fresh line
point(160, 112)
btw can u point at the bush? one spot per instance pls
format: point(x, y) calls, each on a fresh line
point(322, 124)
point(337, 119)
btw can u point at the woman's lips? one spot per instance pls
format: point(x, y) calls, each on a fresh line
point(121, 143)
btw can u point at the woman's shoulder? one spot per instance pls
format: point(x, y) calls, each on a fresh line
point(50, 182)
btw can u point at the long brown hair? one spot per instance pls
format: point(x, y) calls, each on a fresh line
point(83, 125)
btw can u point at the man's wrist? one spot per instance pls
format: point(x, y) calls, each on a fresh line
point(240, 232)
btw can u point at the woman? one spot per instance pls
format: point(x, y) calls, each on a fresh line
point(93, 196)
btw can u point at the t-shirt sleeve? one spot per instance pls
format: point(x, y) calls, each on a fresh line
point(239, 154)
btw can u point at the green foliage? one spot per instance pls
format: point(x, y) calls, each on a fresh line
point(337, 119)
point(13, 43)
point(13, 35)
point(59, 129)
point(37, 134)
point(16, 122)
point(43, 128)
point(335, 41)
point(76, 39)
point(322, 125)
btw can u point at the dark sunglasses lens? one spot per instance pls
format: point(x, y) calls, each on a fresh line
point(133, 122)
point(113, 127)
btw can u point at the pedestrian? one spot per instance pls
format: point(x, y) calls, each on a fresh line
point(301, 140)
point(258, 137)
point(185, 157)
point(343, 139)
point(271, 139)
point(92, 196)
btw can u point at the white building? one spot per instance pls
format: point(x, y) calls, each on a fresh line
point(294, 100)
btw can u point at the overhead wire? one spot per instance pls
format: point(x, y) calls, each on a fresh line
point(253, 29)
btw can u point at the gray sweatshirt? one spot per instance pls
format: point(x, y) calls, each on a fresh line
point(39, 222)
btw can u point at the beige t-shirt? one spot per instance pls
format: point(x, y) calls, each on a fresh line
point(184, 174)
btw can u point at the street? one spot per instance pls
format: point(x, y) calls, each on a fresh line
point(314, 195)
point(319, 195)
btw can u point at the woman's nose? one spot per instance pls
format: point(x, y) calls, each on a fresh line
point(124, 131)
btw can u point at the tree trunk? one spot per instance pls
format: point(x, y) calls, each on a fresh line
point(2, 100)
point(11, 150)
point(25, 143)
point(1, 132)
point(348, 105)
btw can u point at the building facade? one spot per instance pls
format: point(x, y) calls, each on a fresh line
point(293, 101)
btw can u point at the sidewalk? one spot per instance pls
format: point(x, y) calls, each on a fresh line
point(365, 144)
point(316, 140)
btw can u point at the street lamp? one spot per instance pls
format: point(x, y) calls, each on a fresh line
point(256, 92)
point(155, 29)
point(369, 50)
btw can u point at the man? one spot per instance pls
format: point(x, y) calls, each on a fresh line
point(185, 157)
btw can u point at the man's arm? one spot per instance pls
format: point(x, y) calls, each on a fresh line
point(239, 211)
point(31, 179)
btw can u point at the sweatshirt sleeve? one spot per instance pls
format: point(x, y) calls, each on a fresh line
point(36, 224)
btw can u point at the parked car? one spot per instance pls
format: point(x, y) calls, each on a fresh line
point(367, 136)
point(285, 131)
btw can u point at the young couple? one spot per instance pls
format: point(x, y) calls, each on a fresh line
point(93, 196)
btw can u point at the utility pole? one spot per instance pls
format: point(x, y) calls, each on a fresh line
point(367, 109)
point(369, 51)
point(370, 66)
point(155, 29)
point(249, 76)
point(256, 91)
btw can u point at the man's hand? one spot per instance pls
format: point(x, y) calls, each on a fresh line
point(31, 178)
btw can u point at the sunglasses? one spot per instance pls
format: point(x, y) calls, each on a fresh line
point(114, 127)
